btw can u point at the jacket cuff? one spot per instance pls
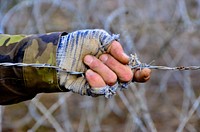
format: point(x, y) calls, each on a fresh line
point(41, 49)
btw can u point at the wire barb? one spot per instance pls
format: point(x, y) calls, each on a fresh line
point(134, 63)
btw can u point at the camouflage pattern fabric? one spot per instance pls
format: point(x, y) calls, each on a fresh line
point(22, 83)
point(56, 49)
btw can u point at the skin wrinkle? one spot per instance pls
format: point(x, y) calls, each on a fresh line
point(124, 72)
point(142, 76)
point(108, 75)
point(93, 77)
point(117, 51)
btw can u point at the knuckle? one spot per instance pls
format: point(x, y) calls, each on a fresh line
point(116, 46)
point(112, 79)
point(95, 64)
point(104, 58)
point(128, 76)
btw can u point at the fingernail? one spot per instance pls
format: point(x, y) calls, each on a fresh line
point(88, 59)
point(89, 72)
point(103, 58)
point(125, 55)
point(147, 73)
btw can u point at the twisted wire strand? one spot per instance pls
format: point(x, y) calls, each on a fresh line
point(41, 66)
point(134, 63)
point(180, 68)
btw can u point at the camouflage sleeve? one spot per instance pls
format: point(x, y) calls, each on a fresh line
point(23, 83)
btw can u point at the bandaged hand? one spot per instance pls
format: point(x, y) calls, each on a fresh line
point(112, 66)
point(102, 60)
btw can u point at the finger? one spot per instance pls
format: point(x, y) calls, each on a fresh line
point(116, 50)
point(123, 72)
point(96, 65)
point(94, 79)
point(142, 75)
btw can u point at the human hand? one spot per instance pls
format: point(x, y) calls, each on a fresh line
point(105, 58)
point(110, 67)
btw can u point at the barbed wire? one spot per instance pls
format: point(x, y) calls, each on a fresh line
point(144, 25)
point(134, 63)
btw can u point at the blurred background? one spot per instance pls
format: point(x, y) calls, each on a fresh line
point(167, 31)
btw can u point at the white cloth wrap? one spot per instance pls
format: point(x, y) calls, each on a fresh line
point(72, 48)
